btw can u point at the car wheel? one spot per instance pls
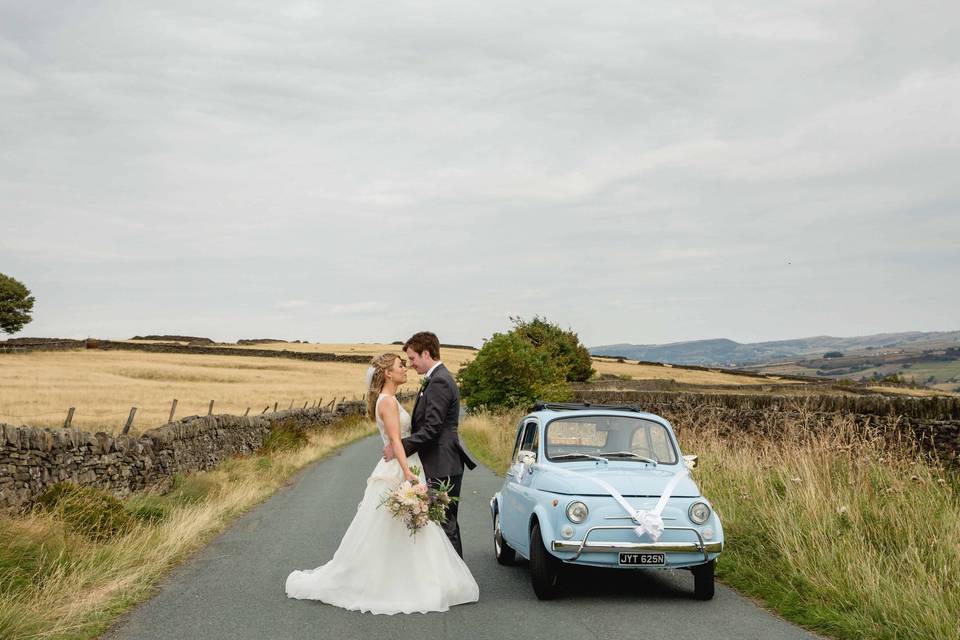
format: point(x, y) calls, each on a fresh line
point(505, 553)
point(544, 568)
point(703, 581)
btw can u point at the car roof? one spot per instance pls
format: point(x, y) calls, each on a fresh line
point(546, 412)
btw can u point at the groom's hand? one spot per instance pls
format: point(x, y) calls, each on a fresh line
point(388, 452)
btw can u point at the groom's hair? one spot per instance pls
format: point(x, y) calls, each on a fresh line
point(424, 341)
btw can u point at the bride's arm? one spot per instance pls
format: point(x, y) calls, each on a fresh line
point(389, 411)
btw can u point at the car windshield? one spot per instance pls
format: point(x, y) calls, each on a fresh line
point(624, 438)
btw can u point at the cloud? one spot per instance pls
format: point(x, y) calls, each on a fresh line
point(291, 304)
point(355, 308)
point(639, 172)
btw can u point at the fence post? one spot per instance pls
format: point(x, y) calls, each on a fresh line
point(133, 412)
point(247, 412)
point(173, 410)
point(275, 406)
point(66, 423)
point(264, 409)
point(291, 405)
point(210, 410)
point(305, 404)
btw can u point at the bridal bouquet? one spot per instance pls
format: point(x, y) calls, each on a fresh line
point(416, 504)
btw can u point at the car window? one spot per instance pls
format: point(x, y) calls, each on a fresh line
point(531, 438)
point(597, 435)
point(569, 432)
point(516, 446)
point(652, 443)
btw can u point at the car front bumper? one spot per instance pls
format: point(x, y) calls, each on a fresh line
point(580, 547)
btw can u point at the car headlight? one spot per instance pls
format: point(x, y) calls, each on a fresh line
point(699, 512)
point(577, 512)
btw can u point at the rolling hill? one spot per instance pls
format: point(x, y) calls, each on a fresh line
point(725, 352)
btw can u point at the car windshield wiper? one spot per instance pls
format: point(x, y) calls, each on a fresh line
point(578, 455)
point(631, 454)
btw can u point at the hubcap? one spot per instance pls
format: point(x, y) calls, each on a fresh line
point(496, 533)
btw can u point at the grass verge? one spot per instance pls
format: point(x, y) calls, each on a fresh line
point(838, 530)
point(65, 575)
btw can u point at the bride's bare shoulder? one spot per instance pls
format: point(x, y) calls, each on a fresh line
point(388, 401)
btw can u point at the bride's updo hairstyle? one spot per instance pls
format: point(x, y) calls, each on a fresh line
point(379, 365)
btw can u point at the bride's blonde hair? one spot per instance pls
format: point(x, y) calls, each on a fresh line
point(380, 364)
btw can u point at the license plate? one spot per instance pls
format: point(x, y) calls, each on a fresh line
point(643, 559)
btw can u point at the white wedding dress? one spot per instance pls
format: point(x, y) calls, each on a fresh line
point(379, 567)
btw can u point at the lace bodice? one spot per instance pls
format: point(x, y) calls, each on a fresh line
point(404, 421)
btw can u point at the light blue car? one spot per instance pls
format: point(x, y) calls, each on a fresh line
point(603, 486)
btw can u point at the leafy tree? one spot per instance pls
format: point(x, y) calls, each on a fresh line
point(16, 303)
point(508, 371)
point(563, 347)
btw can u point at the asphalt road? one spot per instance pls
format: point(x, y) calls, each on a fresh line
point(234, 587)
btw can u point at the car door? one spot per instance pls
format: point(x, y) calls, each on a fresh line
point(513, 522)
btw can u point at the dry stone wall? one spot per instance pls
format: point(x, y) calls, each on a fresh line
point(31, 458)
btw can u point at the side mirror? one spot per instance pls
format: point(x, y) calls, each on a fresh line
point(691, 461)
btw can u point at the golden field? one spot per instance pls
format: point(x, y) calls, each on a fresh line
point(678, 374)
point(452, 358)
point(37, 388)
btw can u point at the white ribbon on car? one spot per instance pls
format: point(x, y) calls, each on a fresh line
point(648, 521)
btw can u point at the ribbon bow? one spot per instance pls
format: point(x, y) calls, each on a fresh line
point(648, 522)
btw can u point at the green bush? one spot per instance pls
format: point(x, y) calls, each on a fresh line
point(562, 347)
point(508, 371)
point(148, 508)
point(87, 511)
point(893, 378)
point(190, 489)
point(285, 435)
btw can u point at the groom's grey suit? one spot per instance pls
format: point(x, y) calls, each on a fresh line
point(434, 435)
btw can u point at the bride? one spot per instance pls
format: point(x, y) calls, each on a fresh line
point(379, 567)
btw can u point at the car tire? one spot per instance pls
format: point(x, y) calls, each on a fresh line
point(703, 581)
point(504, 552)
point(544, 567)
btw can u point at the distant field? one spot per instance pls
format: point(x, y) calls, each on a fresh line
point(688, 376)
point(452, 358)
point(455, 358)
point(918, 372)
point(945, 374)
point(38, 388)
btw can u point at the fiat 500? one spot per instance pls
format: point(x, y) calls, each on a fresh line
point(604, 486)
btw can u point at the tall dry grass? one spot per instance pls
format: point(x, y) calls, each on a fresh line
point(57, 583)
point(848, 533)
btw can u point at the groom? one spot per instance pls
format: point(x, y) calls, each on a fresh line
point(433, 426)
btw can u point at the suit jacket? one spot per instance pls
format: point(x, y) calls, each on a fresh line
point(433, 428)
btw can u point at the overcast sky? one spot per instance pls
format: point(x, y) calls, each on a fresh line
point(355, 171)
